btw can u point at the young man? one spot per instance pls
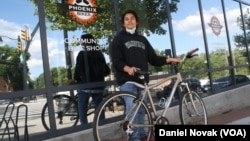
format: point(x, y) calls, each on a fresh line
point(90, 67)
point(130, 52)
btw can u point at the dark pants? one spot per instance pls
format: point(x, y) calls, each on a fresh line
point(83, 102)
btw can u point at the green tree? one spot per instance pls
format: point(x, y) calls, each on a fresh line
point(152, 13)
point(10, 67)
point(58, 17)
point(240, 40)
point(58, 77)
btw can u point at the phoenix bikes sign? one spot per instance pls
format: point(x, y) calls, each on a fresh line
point(83, 11)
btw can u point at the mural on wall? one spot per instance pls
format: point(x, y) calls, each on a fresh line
point(215, 25)
point(83, 11)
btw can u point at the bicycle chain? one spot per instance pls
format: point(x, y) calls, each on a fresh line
point(162, 121)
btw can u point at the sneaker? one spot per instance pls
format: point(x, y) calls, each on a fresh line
point(144, 138)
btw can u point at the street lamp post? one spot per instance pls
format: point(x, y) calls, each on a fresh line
point(1, 39)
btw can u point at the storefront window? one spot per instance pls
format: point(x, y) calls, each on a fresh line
point(239, 41)
point(38, 58)
point(188, 35)
point(236, 31)
point(21, 56)
point(216, 33)
point(64, 35)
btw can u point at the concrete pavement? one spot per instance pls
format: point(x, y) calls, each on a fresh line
point(239, 116)
point(234, 117)
point(231, 107)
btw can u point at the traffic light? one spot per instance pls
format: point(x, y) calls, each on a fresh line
point(19, 45)
point(24, 34)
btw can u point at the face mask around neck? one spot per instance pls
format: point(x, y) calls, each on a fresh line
point(131, 31)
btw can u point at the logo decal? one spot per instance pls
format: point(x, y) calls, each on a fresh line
point(83, 11)
point(215, 25)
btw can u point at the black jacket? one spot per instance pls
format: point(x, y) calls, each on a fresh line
point(96, 67)
point(132, 50)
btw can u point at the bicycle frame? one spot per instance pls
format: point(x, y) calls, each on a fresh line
point(146, 94)
point(178, 80)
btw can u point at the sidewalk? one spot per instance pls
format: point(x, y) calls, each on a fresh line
point(239, 116)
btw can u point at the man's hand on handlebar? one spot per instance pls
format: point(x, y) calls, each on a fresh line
point(173, 60)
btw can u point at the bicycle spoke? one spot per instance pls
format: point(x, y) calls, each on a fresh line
point(193, 110)
point(65, 112)
point(115, 120)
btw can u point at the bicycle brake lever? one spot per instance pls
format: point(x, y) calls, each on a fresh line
point(190, 56)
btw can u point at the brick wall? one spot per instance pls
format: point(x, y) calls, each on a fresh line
point(3, 85)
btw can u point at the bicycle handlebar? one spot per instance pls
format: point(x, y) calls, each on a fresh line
point(190, 53)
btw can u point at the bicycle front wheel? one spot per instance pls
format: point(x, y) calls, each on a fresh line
point(115, 124)
point(192, 109)
point(65, 112)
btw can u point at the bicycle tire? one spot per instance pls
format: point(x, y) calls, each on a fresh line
point(115, 123)
point(192, 114)
point(91, 104)
point(69, 117)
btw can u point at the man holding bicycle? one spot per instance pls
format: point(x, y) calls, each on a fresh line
point(131, 52)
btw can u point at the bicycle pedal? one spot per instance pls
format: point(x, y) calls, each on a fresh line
point(162, 102)
point(129, 131)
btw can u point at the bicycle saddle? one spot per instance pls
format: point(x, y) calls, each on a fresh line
point(145, 75)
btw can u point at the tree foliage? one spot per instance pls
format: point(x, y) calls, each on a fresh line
point(10, 67)
point(58, 77)
point(152, 16)
point(242, 41)
point(59, 74)
point(244, 24)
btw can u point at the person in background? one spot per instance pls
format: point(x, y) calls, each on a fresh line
point(90, 67)
point(131, 52)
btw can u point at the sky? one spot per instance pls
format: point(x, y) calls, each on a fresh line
point(16, 15)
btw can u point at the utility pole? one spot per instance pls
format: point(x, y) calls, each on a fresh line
point(27, 40)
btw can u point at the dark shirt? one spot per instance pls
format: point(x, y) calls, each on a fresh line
point(94, 71)
point(133, 50)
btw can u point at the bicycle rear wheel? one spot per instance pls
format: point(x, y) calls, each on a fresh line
point(192, 109)
point(65, 112)
point(115, 124)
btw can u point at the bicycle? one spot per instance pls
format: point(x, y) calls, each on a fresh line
point(66, 110)
point(121, 126)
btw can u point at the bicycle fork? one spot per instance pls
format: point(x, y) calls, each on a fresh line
point(191, 101)
point(130, 116)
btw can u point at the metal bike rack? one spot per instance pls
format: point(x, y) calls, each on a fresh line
point(7, 120)
point(10, 126)
point(26, 134)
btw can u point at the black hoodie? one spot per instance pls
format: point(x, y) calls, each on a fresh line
point(132, 50)
point(96, 67)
